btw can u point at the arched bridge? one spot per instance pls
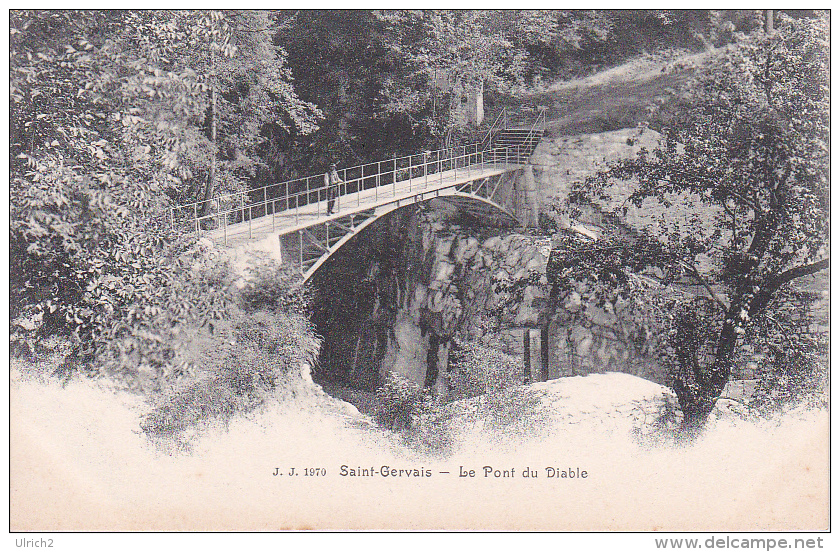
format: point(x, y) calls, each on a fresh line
point(480, 179)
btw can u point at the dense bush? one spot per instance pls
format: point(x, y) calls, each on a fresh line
point(258, 364)
point(109, 122)
point(399, 399)
point(98, 138)
point(794, 356)
point(270, 285)
point(477, 368)
point(122, 295)
point(414, 412)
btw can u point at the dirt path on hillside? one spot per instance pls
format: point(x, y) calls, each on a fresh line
point(621, 97)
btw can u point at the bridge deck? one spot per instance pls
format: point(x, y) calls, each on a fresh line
point(413, 189)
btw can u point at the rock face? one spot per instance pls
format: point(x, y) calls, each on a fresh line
point(395, 297)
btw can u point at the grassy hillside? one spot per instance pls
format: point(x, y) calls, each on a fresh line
point(621, 97)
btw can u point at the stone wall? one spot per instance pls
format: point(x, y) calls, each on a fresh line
point(561, 161)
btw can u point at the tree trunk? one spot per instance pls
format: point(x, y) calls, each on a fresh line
point(697, 400)
point(544, 353)
point(698, 383)
point(526, 354)
point(211, 180)
point(698, 390)
point(768, 21)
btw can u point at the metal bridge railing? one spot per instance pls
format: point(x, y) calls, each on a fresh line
point(420, 171)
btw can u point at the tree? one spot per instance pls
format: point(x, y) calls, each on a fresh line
point(107, 126)
point(467, 49)
point(372, 74)
point(741, 183)
point(339, 62)
point(252, 98)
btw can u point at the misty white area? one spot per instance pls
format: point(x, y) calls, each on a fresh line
point(80, 461)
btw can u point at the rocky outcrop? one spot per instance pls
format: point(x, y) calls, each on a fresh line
point(395, 296)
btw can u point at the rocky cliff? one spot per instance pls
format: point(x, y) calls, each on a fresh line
point(397, 295)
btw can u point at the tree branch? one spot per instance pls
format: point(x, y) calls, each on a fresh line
point(778, 281)
point(753, 204)
point(706, 285)
point(692, 179)
point(729, 211)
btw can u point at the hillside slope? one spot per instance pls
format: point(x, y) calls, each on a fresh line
point(618, 98)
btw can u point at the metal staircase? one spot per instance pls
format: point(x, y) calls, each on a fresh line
point(524, 138)
point(514, 138)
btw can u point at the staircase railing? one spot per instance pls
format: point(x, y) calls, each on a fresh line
point(532, 138)
point(501, 123)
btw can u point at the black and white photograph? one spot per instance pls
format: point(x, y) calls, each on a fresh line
point(554, 270)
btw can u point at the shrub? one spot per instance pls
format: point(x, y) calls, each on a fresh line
point(270, 285)
point(399, 400)
point(477, 368)
point(791, 379)
point(415, 412)
point(794, 356)
point(238, 375)
point(516, 411)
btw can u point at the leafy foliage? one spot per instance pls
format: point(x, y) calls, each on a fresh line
point(273, 287)
point(339, 62)
point(750, 150)
point(107, 125)
point(415, 412)
point(449, 54)
point(477, 369)
point(400, 400)
point(387, 81)
point(614, 278)
point(236, 376)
